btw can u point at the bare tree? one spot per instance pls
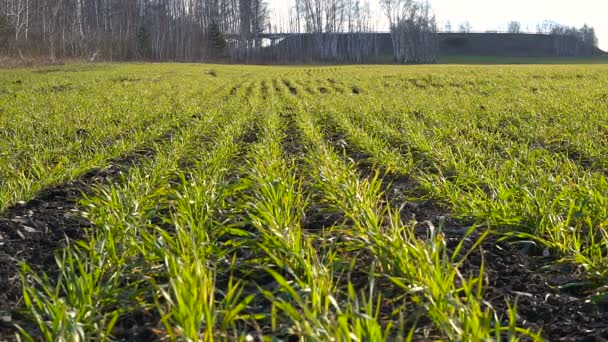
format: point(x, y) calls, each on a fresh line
point(17, 12)
point(588, 36)
point(361, 45)
point(328, 31)
point(514, 27)
point(465, 27)
point(570, 41)
point(413, 30)
point(253, 18)
point(448, 26)
point(328, 28)
point(235, 30)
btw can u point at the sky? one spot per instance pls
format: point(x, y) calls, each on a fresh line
point(495, 14)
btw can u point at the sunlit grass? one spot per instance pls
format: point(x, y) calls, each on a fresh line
point(208, 231)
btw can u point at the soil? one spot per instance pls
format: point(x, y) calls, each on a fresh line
point(517, 274)
point(514, 272)
point(31, 232)
point(559, 316)
point(292, 89)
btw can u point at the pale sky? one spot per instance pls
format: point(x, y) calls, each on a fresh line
point(495, 14)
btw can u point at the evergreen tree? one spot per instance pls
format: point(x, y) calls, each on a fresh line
point(144, 43)
point(216, 39)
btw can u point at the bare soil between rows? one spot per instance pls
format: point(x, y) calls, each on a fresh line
point(513, 274)
point(33, 231)
point(521, 275)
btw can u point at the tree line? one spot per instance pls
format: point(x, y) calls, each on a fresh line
point(181, 30)
point(567, 40)
point(207, 30)
point(230, 30)
point(570, 41)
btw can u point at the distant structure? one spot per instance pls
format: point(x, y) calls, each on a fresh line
point(377, 47)
point(515, 45)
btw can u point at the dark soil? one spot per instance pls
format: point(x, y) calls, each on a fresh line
point(292, 89)
point(136, 327)
point(31, 232)
point(276, 86)
point(233, 91)
point(249, 90)
point(513, 272)
point(265, 90)
point(58, 88)
point(309, 90)
point(335, 85)
point(560, 316)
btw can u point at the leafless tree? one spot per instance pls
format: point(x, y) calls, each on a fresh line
point(570, 41)
point(233, 30)
point(514, 27)
point(413, 30)
point(448, 26)
point(329, 31)
point(129, 29)
point(465, 27)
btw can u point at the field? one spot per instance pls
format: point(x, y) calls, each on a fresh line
point(201, 202)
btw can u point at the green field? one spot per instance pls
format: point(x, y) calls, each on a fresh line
point(356, 203)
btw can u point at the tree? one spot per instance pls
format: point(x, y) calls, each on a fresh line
point(546, 27)
point(18, 14)
point(361, 45)
point(514, 27)
point(253, 19)
point(465, 27)
point(448, 26)
point(6, 33)
point(216, 40)
point(196, 30)
point(570, 41)
point(331, 30)
point(588, 36)
point(144, 44)
point(413, 30)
